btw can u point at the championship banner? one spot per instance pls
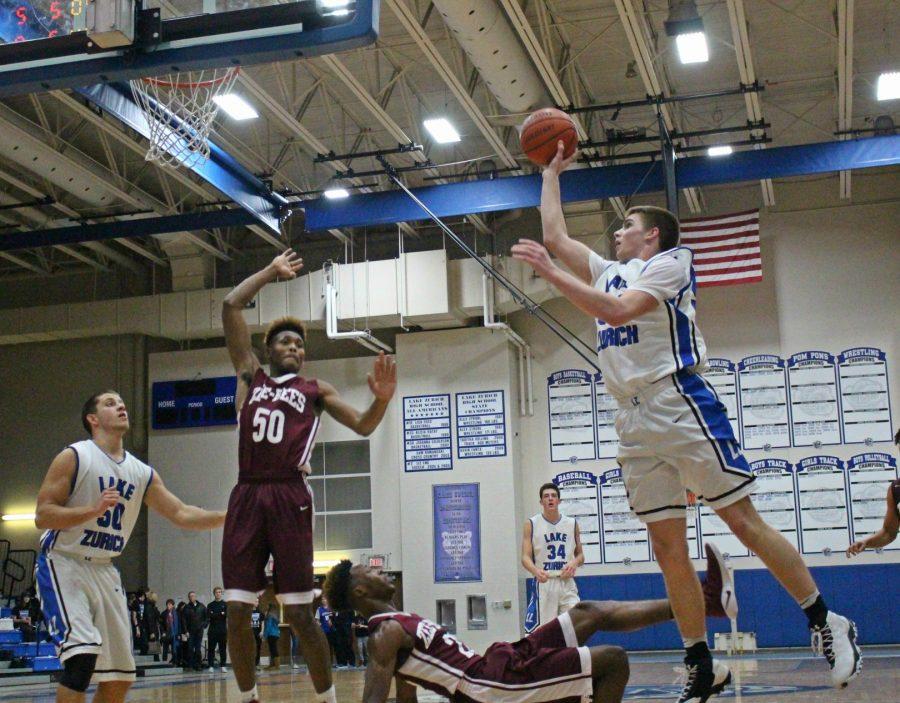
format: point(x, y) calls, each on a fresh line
point(457, 533)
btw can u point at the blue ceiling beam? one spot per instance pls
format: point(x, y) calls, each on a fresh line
point(474, 197)
point(143, 227)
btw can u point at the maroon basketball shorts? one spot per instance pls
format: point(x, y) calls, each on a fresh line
point(269, 518)
point(547, 665)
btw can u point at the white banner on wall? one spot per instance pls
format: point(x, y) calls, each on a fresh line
point(865, 400)
point(868, 478)
point(775, 497)
point(571, 404)
point(578, 499)
point(427, 445)
point(480, 425)
point(625, 538)
point(815, 416)
point(822, 499)
point(723, 377)
point(606, 407)
point(764, 402)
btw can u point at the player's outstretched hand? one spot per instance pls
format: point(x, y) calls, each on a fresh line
point(383, 379)
point(108, 499)
point(855, 549)
point(535, 255)
point(287, 264)
point(559, 164)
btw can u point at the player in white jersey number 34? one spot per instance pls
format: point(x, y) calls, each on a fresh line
point(87, 505)
point(674, 433)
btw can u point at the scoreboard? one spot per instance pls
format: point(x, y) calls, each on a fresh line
point(202, 402)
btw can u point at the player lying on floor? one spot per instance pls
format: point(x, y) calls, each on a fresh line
point(550, 664)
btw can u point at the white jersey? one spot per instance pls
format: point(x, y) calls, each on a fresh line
point(95, 471)
point(660, 342)
point(552, 543)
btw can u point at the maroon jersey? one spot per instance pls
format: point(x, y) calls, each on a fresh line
point(895, 493)
point(545, 666)
point(278, 424)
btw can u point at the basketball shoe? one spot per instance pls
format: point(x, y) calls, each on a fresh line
point(718, 587)
point(704, 678)
point(836, 641)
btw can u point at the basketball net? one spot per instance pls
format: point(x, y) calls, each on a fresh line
point(180, 109)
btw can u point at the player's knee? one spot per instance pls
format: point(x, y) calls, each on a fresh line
point(300, 615)
point(77, 672)
point(610, 661)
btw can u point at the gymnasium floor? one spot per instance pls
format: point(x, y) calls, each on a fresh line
point(769, 677)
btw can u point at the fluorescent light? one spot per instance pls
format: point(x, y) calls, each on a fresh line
point(325, 563)
point(336, 193)
point(889, 86)
point(719, 150)
point(334, 8)
point(236, 107)
point(441, 130)
point(333, 4)
point(18, 517)
point(692, 47)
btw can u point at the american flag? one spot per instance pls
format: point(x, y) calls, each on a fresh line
point(726, 248)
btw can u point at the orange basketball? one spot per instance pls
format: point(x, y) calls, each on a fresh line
point(541, 131)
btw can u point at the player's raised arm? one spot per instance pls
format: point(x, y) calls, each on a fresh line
point(171, 507)
point(51, 512)
point(384, 644)
point(382, 383)
point(573, 253)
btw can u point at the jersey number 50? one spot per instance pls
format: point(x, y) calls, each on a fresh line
point(268, 424)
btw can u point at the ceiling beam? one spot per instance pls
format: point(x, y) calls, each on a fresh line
point(845, 79)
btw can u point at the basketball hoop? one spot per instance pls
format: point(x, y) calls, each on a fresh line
point(180, 109)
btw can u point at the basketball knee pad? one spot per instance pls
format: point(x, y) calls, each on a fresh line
point(77, 672)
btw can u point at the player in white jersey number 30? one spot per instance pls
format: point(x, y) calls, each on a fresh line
point(88, 504)
point(674, 433)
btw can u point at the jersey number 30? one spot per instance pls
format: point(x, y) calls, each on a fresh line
point(268, 424)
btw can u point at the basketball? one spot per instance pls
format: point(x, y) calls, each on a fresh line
point(541, 131)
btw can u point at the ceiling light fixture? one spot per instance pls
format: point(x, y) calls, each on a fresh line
point(336, 193)
point(685, 24)
point(236, 107)
point(719, 150)
point(18, 517)
point(441, 130)
point(889, 85)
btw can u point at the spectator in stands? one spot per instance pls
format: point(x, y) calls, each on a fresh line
point(169, 631)
point(138, 609)
point(272, 633)
point(217, 635)
point(194, 622)
point(361, 636)
point(256, 623)
point(343, 639)
point(325, 616)
point(151, 620)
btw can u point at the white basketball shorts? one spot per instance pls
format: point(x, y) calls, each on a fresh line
point(676, 437)
point(86, 611)
point(555, 597)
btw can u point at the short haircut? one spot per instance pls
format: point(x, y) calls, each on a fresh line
point(337, 585)
point(282, 324)
point(669, 229)
point(90, 408)
point(545, 487)
point(169, 601)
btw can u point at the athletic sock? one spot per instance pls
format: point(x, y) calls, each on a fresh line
point(696, 649)
point(251, 695)
point(815, 609)
point(326, 696)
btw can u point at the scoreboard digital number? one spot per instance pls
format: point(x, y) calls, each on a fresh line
point(204, 402)
point(21, 20)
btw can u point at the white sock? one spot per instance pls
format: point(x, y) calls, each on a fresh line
point(691, 641)
point(810, 599)
point(326, 696)
point(251, 695)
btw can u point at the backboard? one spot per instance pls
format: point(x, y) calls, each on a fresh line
point(53, 44)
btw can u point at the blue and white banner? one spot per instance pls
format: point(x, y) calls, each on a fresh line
point(480, 425)
point(868, 477)
point(822, 499)
point(578, 499)
point(764, 402)
point(457, 533)
point(865, 401)
point(722, 375)
point(625, 538)
point(532, 607)
point(815, 415)
point(606, 409)
point(427, 445)
point(776, 496)
point(571, 413)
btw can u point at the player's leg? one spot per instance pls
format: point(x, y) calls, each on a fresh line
point(244, 556)
point(591, 616)
point(548, 600)
point(610, 672)
point(290, 526)
point(836, 634)
point(111, 691)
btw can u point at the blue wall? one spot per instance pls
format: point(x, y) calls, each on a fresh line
point(867, 594)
